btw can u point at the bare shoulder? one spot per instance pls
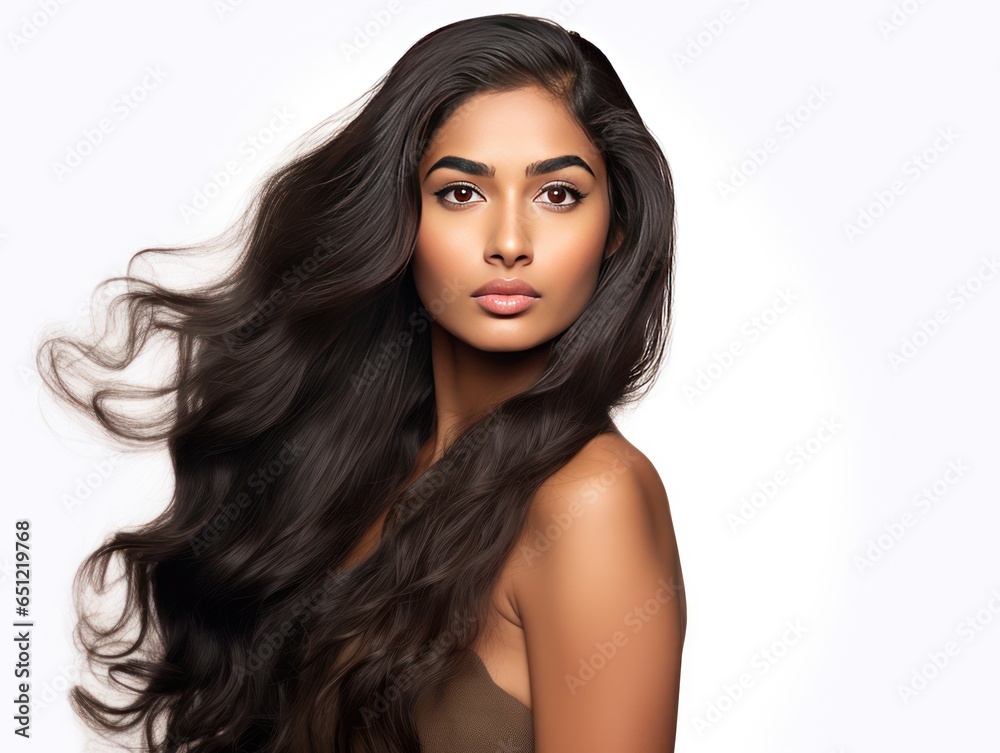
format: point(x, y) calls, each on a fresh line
point(608, 490)
point(609, 476)
point(613, 454)
point(598, 576)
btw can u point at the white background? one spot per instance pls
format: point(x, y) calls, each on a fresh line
point(714, 81)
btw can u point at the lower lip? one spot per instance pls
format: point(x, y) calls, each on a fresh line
point(505, 304)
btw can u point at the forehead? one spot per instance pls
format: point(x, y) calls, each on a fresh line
point(512, 128)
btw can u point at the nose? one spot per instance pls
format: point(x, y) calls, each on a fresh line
point(510, 238)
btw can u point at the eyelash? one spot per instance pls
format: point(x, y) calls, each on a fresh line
point(576, 193)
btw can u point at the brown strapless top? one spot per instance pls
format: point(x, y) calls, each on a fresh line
point(472, 714)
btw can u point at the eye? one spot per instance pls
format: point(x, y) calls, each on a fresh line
point(561, 196)
point(463, 194)
point(558, 194)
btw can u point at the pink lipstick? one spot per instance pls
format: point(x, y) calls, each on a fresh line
point(500, 296)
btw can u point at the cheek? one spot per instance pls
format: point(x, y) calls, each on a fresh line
point(578, 280)
point(578, 260)
point(435, 262)
point(426, 252)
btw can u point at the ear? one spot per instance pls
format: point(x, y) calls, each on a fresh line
point(612, 245)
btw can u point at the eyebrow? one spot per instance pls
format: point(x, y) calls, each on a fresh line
point(535, 168)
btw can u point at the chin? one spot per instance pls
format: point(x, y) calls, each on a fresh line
point(502, 342)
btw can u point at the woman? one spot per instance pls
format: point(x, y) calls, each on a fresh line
point(403, 518)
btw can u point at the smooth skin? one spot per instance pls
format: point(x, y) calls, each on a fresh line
point(594, 615)
point(475, 228)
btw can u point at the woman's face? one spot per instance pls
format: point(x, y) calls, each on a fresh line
point(512, 189)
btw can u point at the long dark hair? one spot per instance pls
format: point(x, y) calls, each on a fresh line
point(294, 410)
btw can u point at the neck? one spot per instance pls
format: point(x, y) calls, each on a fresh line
point(469, 382)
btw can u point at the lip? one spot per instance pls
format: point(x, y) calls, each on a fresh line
point(500, 296)
point(505, 304)
point(500, 286)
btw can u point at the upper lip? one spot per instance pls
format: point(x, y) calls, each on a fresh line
point(499, 286)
